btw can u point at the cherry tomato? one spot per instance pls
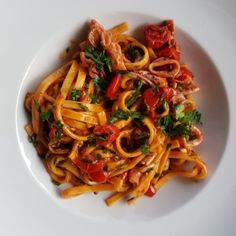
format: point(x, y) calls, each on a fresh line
point(151, 191)
point(52, 133)
point(170, 25)
point(167, 93)
point(111, 131)
point(168, 52)
point(151, 99)
point(99, 176)
point(113, 86)
point(184, 73)
point(156, 36)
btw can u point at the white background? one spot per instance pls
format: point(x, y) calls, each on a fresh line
point(24, 208)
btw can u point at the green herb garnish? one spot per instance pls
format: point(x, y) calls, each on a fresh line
point(99, 156)
point(155, 88)
point(100, 58)
point(118, 114)
point(75, 94)
point(121, 167)
point(136, 115)
point(135, 95)
point(100, 84)
point(46, 115)
point(83, 107)
point(145, 148)
point(37, 105)
point(164, 103)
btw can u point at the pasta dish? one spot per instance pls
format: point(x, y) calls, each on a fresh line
point(118, 116)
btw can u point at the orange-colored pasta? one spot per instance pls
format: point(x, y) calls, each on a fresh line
point(127, 132)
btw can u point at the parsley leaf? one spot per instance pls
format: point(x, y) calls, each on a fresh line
point(155, 88)
point(100, 58)
point(190, 117)
point(135, 95)
point(99, 156)
point(94, 138)
point(136, 115)
point(37, 105)
point(59, 125)
point(145, 148)
point(121, 167)
point(94, 97)
point(46, 115)
point(83, 107)
point(119, 114)
point(100, 84)
point(75, 94)
point(164, 103)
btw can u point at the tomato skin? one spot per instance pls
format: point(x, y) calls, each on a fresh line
point(167, 93)
point(156, 36)
point(99, 176)
point(183, 74)
point(151, 99)
point(151, 191)
point(94, 169)
point(111, 131)
point(169, 52)
point(113, 86)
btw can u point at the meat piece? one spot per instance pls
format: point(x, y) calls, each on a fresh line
point(94, 36)
point(113, 49)
point(89, 64)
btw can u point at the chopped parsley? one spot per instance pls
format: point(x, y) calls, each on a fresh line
point(99, 57)
point(99, 156)
point(100, 84)
point(59, 126)
point(145, 148)
point(75, 94)
point(155, 88)
point(136, 115)
point(120, 114)
point(135, 95)
point(94, 97)
point(164, 103)
point(104, 150)
point(121, 167)
point(83, 107)
point(46, 115)
point(94, 138)
point(37, 105)
point(180, 125)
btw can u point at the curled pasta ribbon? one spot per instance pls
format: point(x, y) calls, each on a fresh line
point(42, 88)
point(198, 137)
point(61, 169)
point(170, 72)
point(127, 133)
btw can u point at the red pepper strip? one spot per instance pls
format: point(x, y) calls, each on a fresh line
point(114, 86)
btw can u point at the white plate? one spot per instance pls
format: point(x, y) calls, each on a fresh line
point(32, 41)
